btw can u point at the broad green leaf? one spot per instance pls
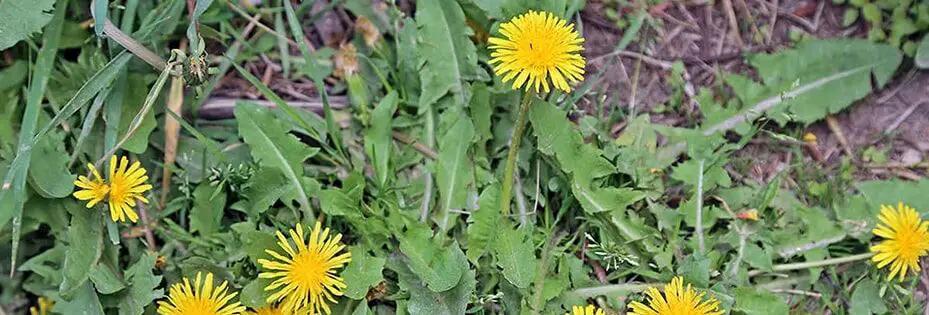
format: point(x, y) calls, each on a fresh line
point(362, 309)
point(21, 18)
point(757, 257)
point(515, 254)
point(922, 53)
point(695, 269)
point(137, 88)
point(892, 192)
point(84, 302)
point(753, 302)
point(14, 75)
point(105, 280)
point(449, 55)
point(336, 203)
point(481, 114)
point(193, 37)
point(866, 299)
point(85, 245)
point(256, 242)
point(482, 226)
point(557, 136)
point(820, 232)
point(273, 147)
point(604, 199)
point(453, 170)
point(408, 68)
point(267, 186)
point(439, 267)
point(362, 273)
point(377, 139)
point(51, 178)
point(207, 212)
point(254, 295)
point(142, 287)
point(425, 301)
point(816, 78)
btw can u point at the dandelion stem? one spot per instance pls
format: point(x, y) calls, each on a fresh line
point(510, 169)
point(814, 264)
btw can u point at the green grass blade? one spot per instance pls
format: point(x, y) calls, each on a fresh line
point(97, 82)
point(282, 43)
point(278, 101)
point(137, 120)
point(316, 74)
point(88, 125)
point(14, 185)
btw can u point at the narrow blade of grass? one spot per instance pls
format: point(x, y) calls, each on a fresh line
point(316, 75)
point(14, 185)
point(97, 82)
point(88, 126)
point(137, 120)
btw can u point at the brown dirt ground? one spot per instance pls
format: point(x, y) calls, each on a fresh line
point(699, 33)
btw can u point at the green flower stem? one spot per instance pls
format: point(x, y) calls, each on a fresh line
point(510, 169)
point(814, 264)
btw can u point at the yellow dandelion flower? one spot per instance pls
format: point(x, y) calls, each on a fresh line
point(126, 186)
point(907, 239)
point(585, 310)
point(676, 301)
point(43, 306)
point(202, 299)
point(538, 47)
point(94, 190)
point(305, 278)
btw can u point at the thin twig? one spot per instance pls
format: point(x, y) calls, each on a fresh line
point(772, 21)
point(896, 165)
point(906, 79)
point(149, 238)
point(839, 135)
point(814, 264)
point(733, 24)
point(422, 148)
point(797, 292)
point(906, 114)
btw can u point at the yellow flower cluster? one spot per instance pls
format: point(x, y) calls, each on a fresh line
point(126, 186)
point(305, 280)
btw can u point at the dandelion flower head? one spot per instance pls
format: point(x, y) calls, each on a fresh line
point(676, 301)
point(538, 48)
point(305, 275)
point(127, 184)
point(585, 310)
point(93, 190)
point(906, 240)
point(201, 299)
